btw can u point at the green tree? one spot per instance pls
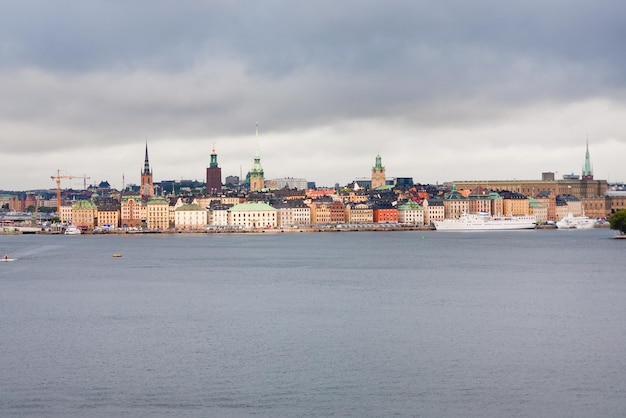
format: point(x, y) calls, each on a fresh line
point(618, 221)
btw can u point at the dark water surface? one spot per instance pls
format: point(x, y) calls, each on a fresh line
point(497, 324)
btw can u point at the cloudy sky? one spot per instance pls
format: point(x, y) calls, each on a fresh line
point(443, 90)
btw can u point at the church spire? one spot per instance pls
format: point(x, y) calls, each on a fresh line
point(587, 169)
point(257, 177)
point(146, 163)
point(147, 187)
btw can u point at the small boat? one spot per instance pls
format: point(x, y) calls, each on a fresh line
point(72, 230)
point(117, 255)
point(6, 258)
point(575, 222)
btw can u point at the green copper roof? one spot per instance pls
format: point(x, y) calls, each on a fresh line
point(410, 205)
point(158, 200)
point(379, 165)
point(83, 205)
point(257, 170)
point(257, 206)
point(190, 206)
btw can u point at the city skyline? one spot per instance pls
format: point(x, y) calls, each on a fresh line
point(442, 92)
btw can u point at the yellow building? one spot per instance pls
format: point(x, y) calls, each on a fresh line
point(157, 213)
point(359, 213)
point(84, 214)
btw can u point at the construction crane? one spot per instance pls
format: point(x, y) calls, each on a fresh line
point(58, 178)
point(85, 178)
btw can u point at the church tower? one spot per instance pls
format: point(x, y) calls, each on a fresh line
point(587, 169)
point(257, 180)
point(213, 176)
point(378, 174)
point(147, 188)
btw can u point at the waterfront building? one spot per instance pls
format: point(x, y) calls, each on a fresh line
point(570, 204)
point(66, 214)
point(411, 213)
point(538, 209)
point(252, 215)
point(147, 187)
point(133, 211)
point(434, 210)
point(257, 176)
point(514, 204)
point(213, 176)
point(84, 214)
point(337, 212)
point(359, 213)
point(290, 213)
point(455, 204)
point(385, 212)
point(320, 211)
point(190, 216)
point(479, 200)
point(218, 215)
point(378, 173)
point(108, 212)
point(157, 213)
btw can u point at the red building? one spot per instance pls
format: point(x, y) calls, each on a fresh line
point(385, 214)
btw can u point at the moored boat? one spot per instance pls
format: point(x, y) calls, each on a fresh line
point(72, 230)
point(570, 221)
point(483, 221)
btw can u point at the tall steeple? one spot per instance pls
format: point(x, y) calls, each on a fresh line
point(213, 175)
point(147, 188)
point(378, 173)
point(257, 179)
point(146, 163)
point(213, 163)
point(587, 169)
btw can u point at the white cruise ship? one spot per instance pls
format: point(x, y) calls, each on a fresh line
point(483, 221)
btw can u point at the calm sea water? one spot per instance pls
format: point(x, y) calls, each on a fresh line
point(497, 324)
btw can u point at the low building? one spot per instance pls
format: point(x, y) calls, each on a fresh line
point(84, 214)
point(157, 213)
point(434, 211)
point(218, 215)
point(411, 213)
point(133, 211)
point(385, 213)
point(190, 216)
point(359, 213)
point(252, 215)
point(108, 212)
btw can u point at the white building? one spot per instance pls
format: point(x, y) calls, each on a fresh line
point(253, 215)
point(190, 216)
point(218, 215)
point(411, 213)
point(289, 214)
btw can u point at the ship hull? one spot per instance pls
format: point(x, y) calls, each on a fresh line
point(487, 223)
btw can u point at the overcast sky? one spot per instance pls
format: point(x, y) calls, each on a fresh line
point(442, 90)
